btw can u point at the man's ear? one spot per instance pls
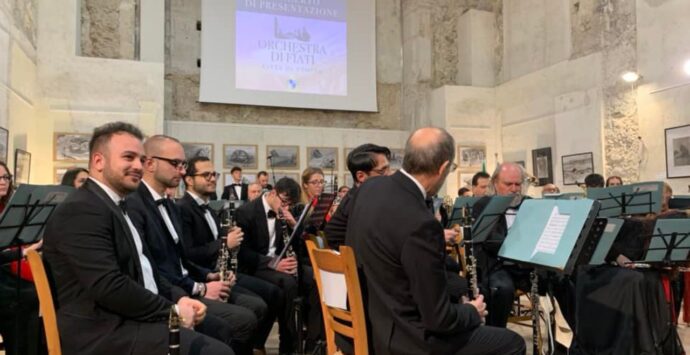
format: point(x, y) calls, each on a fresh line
point(97, 161)
point(442, 169)
point(361, 176)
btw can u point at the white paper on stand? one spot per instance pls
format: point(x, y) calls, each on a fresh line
point(552, 234)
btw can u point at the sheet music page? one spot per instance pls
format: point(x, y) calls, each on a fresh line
point(552, 234)
point(335, 289)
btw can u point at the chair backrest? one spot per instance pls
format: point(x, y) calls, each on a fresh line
point(347, 322)
point(45, 298)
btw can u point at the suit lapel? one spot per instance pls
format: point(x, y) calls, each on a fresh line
point(262, 221)
point(200, 212)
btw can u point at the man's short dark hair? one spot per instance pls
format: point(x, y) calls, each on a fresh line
point(427, 159)
point(261, 173)
point(594, 180)
point(289, 187)
point(191, 165)
point(102, 134)
point(462, 191)
point(363, 158)
point(479, 175)
point(235, 168)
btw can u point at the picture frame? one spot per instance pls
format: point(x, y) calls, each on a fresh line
point(73, 147)
point(281, 174)
point(22, 166)
point(349, 181)
point(195, 149)
point(4, 141)
point(471, 157)
point(542, 166)
point(248, 177)
point(576, 167)
point(322, 157)
point(346, 152)
point(283, 156)
point(397, 156)
point(465, 179)
point(242, 155)
point(59, 171)
point(677, 143)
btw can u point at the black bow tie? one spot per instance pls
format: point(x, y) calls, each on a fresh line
point(205, 207)
point(429, 204)
point(160, 202)
point(123, 205)
point(271, 214)
point(236, 184)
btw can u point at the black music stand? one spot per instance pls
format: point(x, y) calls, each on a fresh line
point(640, 198)
point(455, 216)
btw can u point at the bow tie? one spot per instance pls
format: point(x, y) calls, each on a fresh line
point(429, 204)
point(160, 202)
point(271, 214)
point(236, 184)
point(205, 207)
point(123, 205)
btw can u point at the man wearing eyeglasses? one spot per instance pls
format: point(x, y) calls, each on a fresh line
point(202, 243)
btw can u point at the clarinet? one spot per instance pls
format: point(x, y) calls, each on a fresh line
point(290, 252)
point(174, 332)
point(534, 296)
point(226, 224)
point(471, 260)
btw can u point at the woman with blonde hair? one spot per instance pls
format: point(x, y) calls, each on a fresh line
point(312, 184)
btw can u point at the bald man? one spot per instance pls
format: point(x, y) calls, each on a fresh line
point(549, 189)
point(400, 255)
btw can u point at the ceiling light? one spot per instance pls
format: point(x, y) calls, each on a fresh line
point(630, 77)
point(686, 67)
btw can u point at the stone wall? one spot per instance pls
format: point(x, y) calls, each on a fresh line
point(109, 28)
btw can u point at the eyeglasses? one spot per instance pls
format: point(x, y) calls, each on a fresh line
point(381, 171)
point(176, 163)
point(7, 178)
point(284, 201)
point(453, 167)
point(316, 182)
point(208, 175)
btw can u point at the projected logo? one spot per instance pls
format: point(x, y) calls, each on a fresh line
point(280, 44)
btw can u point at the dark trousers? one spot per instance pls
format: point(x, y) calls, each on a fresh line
point(272, 296)
point(501, 290)
point(20, 325)
point(241, 321)
point(486, 340)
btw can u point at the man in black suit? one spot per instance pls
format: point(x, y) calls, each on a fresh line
point(110, 299)
point(160, 220)
point(363, 162)
point(399, 247)
point(501, 279)
point(262, 179)
point(200, 229)
point(237, 190)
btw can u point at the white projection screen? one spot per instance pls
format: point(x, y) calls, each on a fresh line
point(318, 54)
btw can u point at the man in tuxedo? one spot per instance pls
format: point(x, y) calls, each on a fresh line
point(110, 298)
point(363, 162)
point(264, 241)
point(400, 255)
point(262, 179)
point(237, 190)
point(501, 279)
point(160, 220)
point(480, 184)
point(201, 241)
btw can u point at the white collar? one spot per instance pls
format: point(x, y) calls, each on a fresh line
point(267, 207)
point(156, 195)
point(196, 198)
point(421, 188)
point(112, 194)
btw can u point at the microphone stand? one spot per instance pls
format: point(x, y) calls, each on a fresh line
point(270, 165)
point(335, 178)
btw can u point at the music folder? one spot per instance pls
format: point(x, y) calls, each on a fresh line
point(565, 196)
point(639, 198)
point(670, 242)
point(318, 216)
point(24, 218)
point(606, 230)
point(551, 234)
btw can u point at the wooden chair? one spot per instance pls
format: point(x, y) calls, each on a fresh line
point(45, 298)
point(347, 322)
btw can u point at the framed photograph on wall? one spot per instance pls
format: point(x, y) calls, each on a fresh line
point(346, 151)
point(576, 167)
point(322, 157)
point(283, 156)
point(396, 161)
point(471, 158)
point(347, 178)
point(542, 165)
point(4, 140)
point(465, 180)
point(59, 171)
point(192, 150)
point(242, 155)
point(71, 147)
point(22, 166)
point(281, 174)
point(678, 151)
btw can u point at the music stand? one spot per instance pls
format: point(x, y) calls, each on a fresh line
point(565, 196)
point(318, 215)
point(455, 216)
point(640, 198)
point(485, 223)
point(679, 202)
point(606, 234)
point(670, 243)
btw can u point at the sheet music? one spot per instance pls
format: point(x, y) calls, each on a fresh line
point(552, 234)
point(335, 289)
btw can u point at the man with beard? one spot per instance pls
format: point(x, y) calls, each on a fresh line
point(110, 297)
point(400, 256)
point(160, 220)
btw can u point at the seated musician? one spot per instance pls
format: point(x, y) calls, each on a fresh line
point(399, 249)
point(500, 279)
point(264, 240)
point(110, 298)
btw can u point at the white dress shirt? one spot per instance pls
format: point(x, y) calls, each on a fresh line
point(271, 228)
point(207, 214)
point(166, 219)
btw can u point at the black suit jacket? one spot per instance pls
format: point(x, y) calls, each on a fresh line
point(251, 217)
point(337, 227)
point(197, 238)
point(168, 255)
point(91, 256)
point(399, 247)
point(229, 190)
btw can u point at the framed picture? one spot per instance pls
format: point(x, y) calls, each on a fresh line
point(397, 156)
point(576, 167)
point(322, 157)
point(248, 177)
point(4, 138)
point(521, 163)
point(59, 171)
point(192, 150)
point(22, 166)
point(471, 158)
point(328, 186)
point(678, 151)
point(71, 146)
point(283, 156)
point(243, 156)
point(346, 151)
point(347, 178)
point(465, 179)
point(542, 165)
point(281, 174)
